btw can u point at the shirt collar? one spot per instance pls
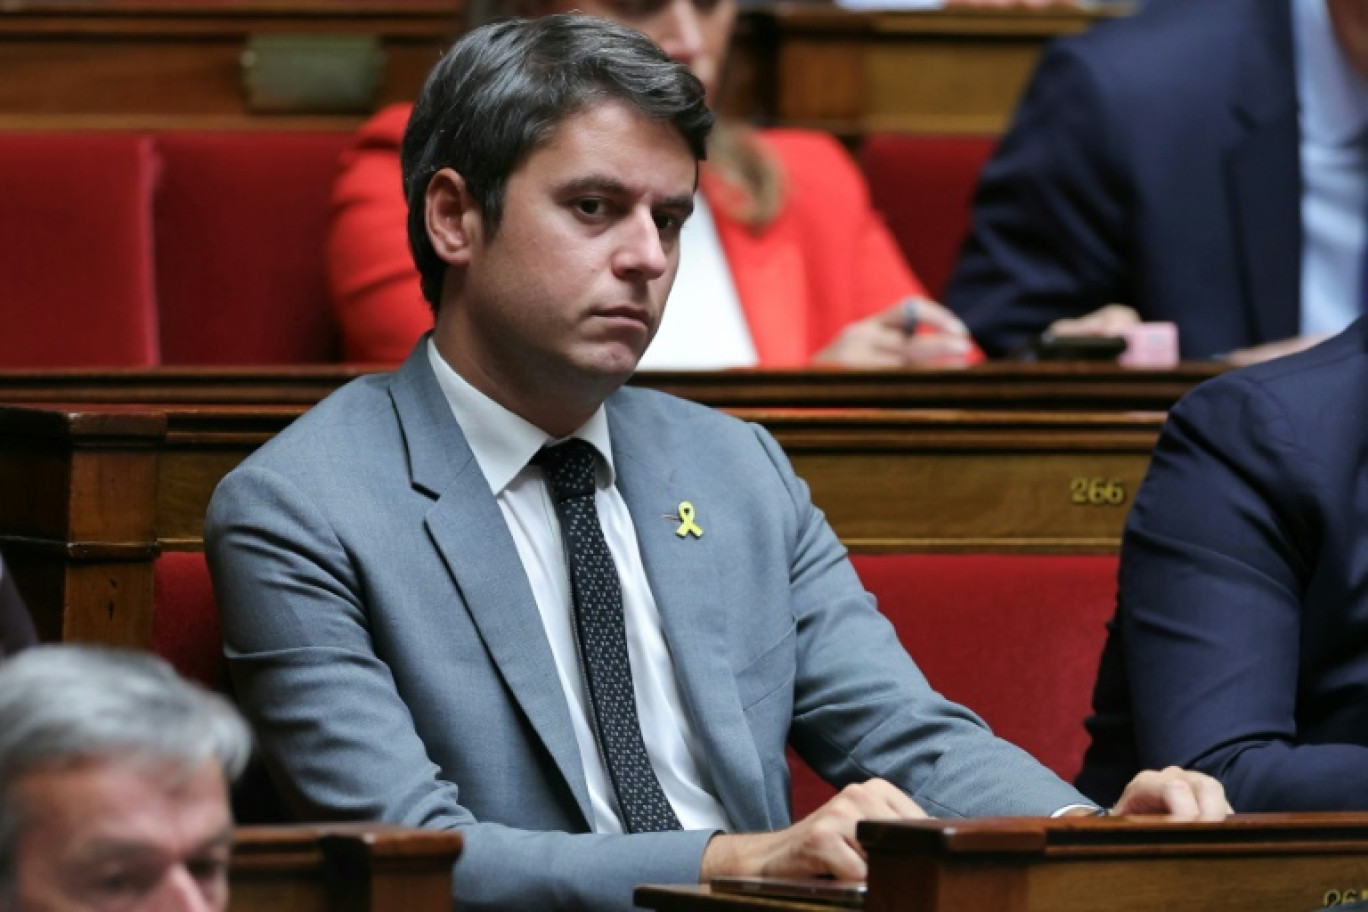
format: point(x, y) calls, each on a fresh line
point(504, 443)
point(1333, 95)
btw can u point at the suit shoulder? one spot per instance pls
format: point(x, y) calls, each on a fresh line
point(1152, 53)
point(811, 158)
point(345, 421)
point(670, 418)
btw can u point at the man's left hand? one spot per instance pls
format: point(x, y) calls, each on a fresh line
point(1178, 793)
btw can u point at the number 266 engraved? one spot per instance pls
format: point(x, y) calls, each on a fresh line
point(1097, 492)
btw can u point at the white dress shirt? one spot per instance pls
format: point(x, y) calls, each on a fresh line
point(704, 327)
point(503, 445)
point(1333, 102)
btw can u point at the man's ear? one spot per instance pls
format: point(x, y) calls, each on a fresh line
point(453, 219)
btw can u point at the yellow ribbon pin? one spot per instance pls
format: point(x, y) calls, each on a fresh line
point(688, 526)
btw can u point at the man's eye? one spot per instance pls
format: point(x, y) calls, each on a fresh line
point(592, 206)
point(668, 225)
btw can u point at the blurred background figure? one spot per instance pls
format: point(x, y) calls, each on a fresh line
point(16, 628)
point(1158, 163)
point(113, 784)
point(785, 262)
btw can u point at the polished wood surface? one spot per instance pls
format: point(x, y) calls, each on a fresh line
point(1269, 862)
point(91, 493)
point(1004, 386)
point(938, 71)
point(81, 64)
point(342, 868)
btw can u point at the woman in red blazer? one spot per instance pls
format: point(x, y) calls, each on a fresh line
point(813, 271)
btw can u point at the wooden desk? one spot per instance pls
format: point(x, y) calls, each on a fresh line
point(342, 868)
point(91, 493)
point(158, 64)
point(1269, 862)
point(1067, 387)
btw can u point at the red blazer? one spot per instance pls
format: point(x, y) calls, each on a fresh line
point(825, 261)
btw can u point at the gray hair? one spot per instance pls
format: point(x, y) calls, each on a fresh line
point(500, 92)
point(60, 705)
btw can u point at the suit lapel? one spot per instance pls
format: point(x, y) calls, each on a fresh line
point(1263, 169)
point(468, 528)
point(766, 266)
point(693, 606)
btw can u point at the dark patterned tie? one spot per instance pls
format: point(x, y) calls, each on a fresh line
point(602, 636)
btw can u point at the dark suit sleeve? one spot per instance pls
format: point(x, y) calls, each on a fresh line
point(1049, 233)
point(1217, 558)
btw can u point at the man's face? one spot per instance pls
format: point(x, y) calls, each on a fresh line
point(563, 300)
point(1350, 21)
point(118, 836)
point(695, 33)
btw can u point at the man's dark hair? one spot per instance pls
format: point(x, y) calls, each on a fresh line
point(500, 92)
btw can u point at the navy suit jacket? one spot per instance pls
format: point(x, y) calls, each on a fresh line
point(1152, 162)
point(1240, 645)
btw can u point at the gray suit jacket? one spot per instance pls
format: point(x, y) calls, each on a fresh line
point(384, 641)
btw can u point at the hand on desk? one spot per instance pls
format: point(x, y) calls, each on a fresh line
point(1179, 793)
point(914, 332)
point(821, 843)
point(1270, 350)
point(1108, 320)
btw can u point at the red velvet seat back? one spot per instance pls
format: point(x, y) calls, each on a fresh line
point(76, 251)
point(185, 621)
point(241, 220)
point(923, 185)
point(1016, 638)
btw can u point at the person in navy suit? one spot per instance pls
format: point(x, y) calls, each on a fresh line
point(1156, 170)
point(1240, 642)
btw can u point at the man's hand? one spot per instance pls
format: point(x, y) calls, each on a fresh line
point(1178, 793)
point(821, 843)
point(914, 332)
point(1270, 350)
point(1108, 320)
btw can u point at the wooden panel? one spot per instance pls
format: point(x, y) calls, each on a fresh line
point(1256, 861)
point(1059, 386)
point(178, 63)
point(131, 64)
point(90, 494)
point(342, 868)
point(1272, 862)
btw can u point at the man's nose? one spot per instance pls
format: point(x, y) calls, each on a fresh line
point(182, 891)
point(642, 252)
point(681, 31)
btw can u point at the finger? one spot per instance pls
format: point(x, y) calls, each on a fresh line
point(936, 350)
point(940, 318)
point(1180, 801)
point(1211, 798)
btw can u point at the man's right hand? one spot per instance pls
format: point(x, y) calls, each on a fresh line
point(821, 843)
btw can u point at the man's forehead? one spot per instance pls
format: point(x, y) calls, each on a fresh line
point(610, 126)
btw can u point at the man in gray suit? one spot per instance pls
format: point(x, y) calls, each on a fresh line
point(392, 570)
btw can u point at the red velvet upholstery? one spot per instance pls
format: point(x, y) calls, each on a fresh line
point(1016, 638)
point(185, 622)
point(923, 185)
point(241, 220)
point(76, 251)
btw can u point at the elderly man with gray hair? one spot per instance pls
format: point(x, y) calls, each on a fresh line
point(114, 777)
